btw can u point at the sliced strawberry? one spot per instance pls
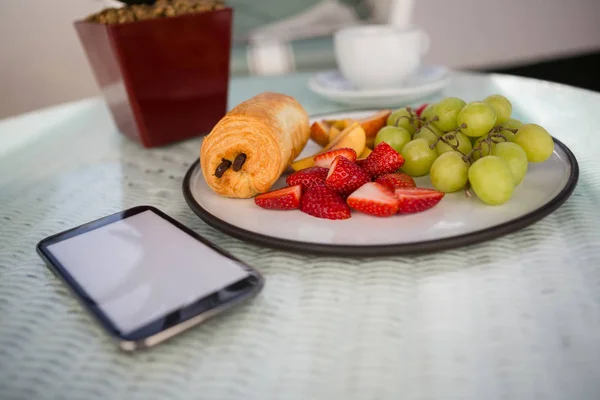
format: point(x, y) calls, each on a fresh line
point(360, 161)
point(308, 177)
point(374, 199)
point(323, 202)
point(382, 160)
point(419, 110)
point(325, 159)
point(417, 199)
point(287, 198)
point(396, 181)
point(345, 176)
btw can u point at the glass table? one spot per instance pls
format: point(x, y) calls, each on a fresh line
point(513, 318)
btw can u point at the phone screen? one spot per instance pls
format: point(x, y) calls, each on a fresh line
point(143, 267)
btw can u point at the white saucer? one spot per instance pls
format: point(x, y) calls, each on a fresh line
point(427, 81)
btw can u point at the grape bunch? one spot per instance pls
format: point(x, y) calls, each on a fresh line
point(474, 146)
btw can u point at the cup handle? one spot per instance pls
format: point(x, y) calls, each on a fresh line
point(425, 43)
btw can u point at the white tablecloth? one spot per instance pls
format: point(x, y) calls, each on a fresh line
point(514, 318)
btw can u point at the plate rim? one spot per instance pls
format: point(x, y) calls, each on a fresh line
point(428, 246)
point(379, 93)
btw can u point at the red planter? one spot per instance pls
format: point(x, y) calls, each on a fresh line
point(164, 80)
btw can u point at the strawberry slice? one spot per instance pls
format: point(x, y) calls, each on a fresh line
point(287, 198)
point(396, 181)
point(382, 160)
point(419, 110)
point(325, 159)
point(360, 161)
point(345, 176)
point(417, 199)
point(308, 177)
point(374, 199)
point(323, 202)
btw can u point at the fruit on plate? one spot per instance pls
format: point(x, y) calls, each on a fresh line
point(323, 202)
point(418, 157)
point(287, 198)
point(478, 117)
point(457, 139)
point(446, 112)
point(428, 113)
point(421, 108)
point(413, 200)
point(333, 133)
point(396, 137)
point(308, 177)
point(405, 118)
point(340, 124)
point(430, 133)
point(536, 141)
point(319, 132)
point(449, 172)
point(373, 123)
point(345, 176)
point(491, 180)
point(396, 181)
point(365, 153)
point(374, 199)
point(382, 160)
point(325, 159)
point(501, 106)
point(515, 158)
point(352, 137)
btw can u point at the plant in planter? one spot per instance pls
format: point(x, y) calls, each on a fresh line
point(162, 65)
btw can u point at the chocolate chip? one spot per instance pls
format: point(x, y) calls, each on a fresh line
point(239, 161)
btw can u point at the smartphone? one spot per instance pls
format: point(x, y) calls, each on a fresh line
point(145, 277)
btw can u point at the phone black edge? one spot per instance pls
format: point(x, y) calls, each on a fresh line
point(136, 340)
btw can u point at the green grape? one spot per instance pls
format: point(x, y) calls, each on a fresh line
point(394, 136)
point(491, 180)
point(536, 141)
point(460, 139)
point(449, 173)
point(429, 133)
point(418, 157)
point(404, 119)
point(484, 146)
point(509, 135)
point(446, 111)
point(515, 158)
point(427, 113)
point(512, 124)
point(479, 117)
point(501, 106)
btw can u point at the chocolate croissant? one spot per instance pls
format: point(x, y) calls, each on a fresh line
point(250, 147)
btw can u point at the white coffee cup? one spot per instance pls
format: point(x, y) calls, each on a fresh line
point(379, 56)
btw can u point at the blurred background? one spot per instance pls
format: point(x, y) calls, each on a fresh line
point(42, 62)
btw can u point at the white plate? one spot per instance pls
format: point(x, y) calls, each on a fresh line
point(427, 81)
point(455, 221)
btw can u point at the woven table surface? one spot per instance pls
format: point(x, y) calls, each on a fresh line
point(514, 318)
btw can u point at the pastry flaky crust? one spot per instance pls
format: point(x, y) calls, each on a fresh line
point(271, 129)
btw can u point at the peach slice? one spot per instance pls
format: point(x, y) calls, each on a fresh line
point(333, 133)
point(319, 132)
point(370, 143)
point(375, 122)
point(352, 137)
point(365, 153)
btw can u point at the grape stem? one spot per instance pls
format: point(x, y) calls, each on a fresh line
point(468, 190)
point(411, 118)
point(490, 138)
point(450, 136)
